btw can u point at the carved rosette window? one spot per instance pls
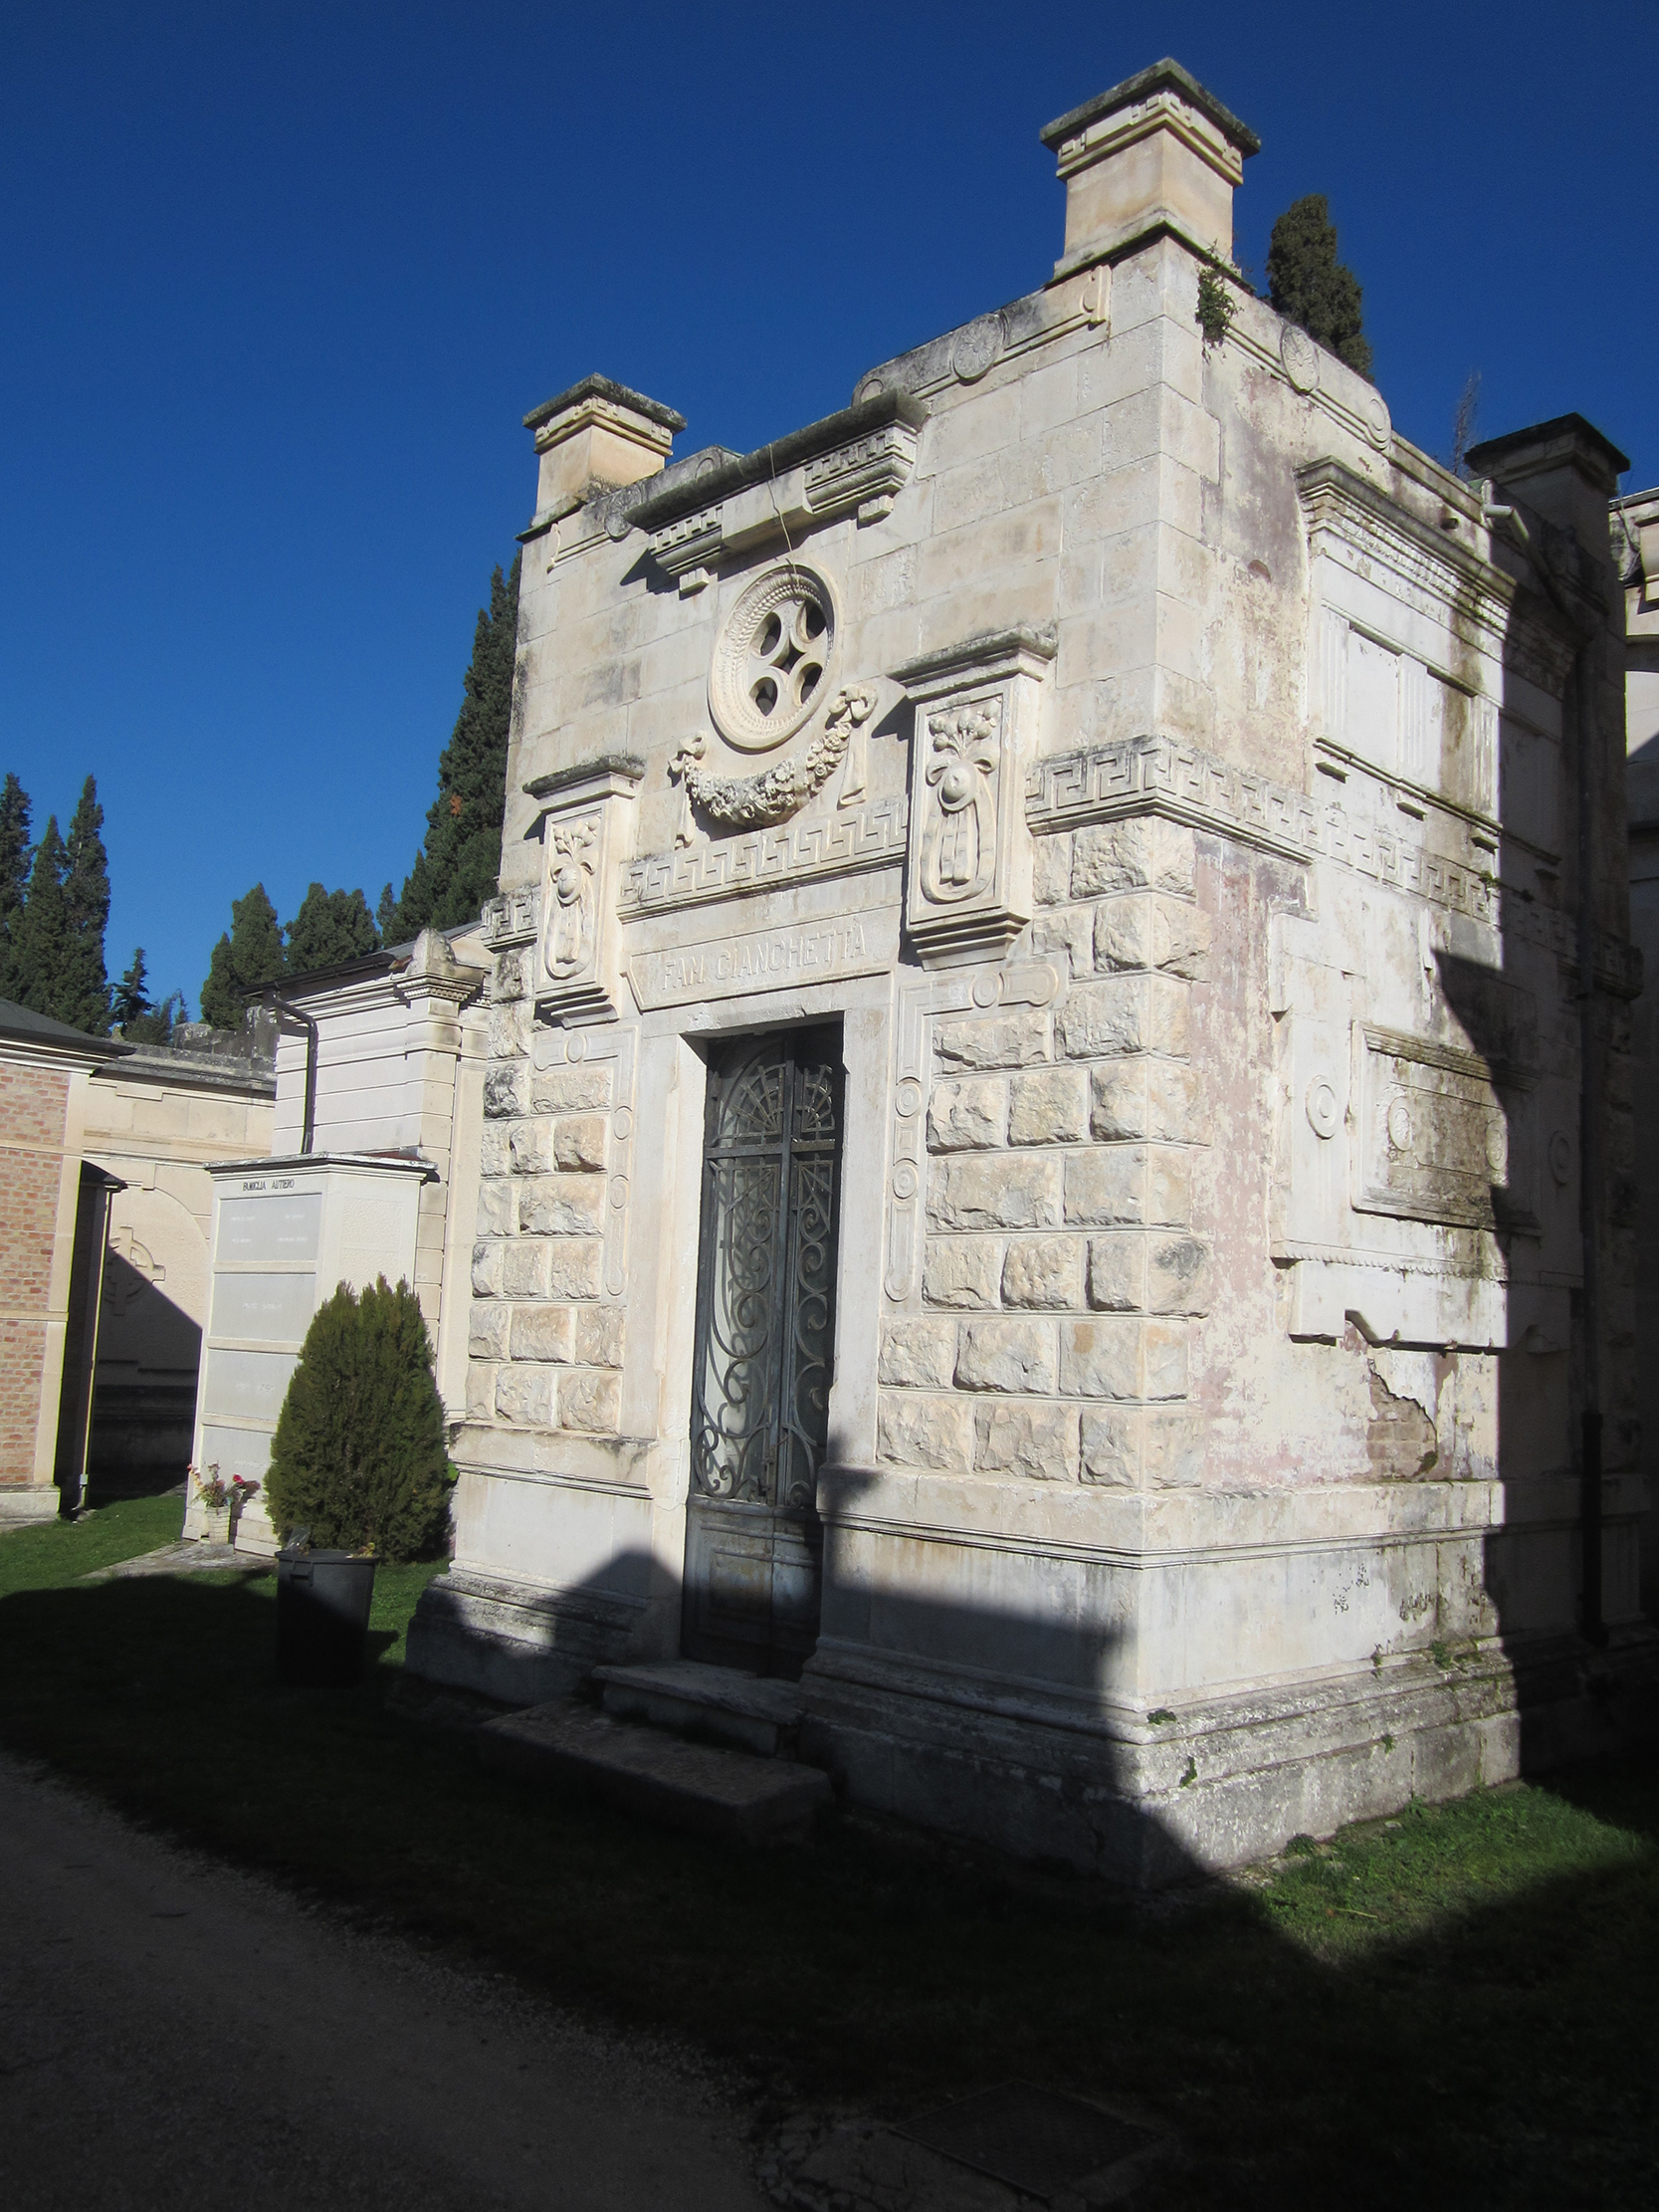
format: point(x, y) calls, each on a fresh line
point(773, 658)
point(978, 714)
point(587, 835)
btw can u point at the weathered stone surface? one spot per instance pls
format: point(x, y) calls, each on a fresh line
point(1051, 869)
point(1177, 1275)
point(590, 1401)
point(1177, 1102)
point(1102, 1358)
point(487, 1327)
point(1043, 1271)
point(525, 1395)
point(1009, 1040)
point(1144, 853)
point(1037, 1442)
point(564, 1206)
point(1050, 1106)
point(1107, 1186)
point(1172, 1450)
point(524, 1267)
point(599, 1335)
point(1067, 937)
point(1151, 932)
point(1112, 1447)
point(918, 1355)
point(494, 1156)
point(1118, 1273)
point(967, 1116)
point(507, 1089)
point(1164, 1356)
point(565, 1090)
point(579, 1143)
point(508, 1031)
point(1118, 1101)
point(1005, 1355)
point(1127, 1014)
point(481, 1391)
point(487, 1269)
point(574, 1269)
point(497, 1209)
point(1168, 1188)
point(961, 1271)
point(996, 1191)
point(543, 1333)
point(934, 1433)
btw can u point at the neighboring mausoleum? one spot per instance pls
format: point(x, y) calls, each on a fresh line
point(1058, 1014)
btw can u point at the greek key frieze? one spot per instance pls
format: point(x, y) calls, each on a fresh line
point(1156, 774)
point(838, 844)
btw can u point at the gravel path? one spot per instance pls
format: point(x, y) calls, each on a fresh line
point(174, 2032)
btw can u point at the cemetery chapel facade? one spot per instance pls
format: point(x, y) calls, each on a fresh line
point(1058, 1008)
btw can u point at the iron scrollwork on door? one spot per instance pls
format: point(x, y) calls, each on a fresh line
point(766, 1288)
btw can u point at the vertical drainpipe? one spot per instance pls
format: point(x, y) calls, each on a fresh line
point(294, 1023)
point(1582, 685)
point(1590, 1147)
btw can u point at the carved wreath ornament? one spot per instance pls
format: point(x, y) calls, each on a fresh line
point(754, 801)
point(958, 846)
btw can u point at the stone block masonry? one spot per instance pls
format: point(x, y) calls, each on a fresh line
point(1097, 1275)
point(33, 1105)
point(544, 1344)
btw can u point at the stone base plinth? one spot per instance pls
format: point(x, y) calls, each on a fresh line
point(28, 1502)
point(1229, 1782)
point(513, 1641)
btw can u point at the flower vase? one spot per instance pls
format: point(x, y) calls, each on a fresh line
point(217, 1524)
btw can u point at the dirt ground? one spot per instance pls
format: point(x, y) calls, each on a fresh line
point(176, 2034)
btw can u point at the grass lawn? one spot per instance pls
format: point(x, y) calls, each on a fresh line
point(1457, 2009)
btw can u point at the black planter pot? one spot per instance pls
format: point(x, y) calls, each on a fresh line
point(323, 1606)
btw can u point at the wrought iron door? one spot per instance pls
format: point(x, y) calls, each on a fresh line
point(765, 1335)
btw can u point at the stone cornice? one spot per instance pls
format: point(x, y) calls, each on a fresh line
point(651, 507)
point(1158, 776)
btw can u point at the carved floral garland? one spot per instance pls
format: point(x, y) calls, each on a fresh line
point(754, 801)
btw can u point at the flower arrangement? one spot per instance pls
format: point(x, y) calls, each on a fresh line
point(216, 1494)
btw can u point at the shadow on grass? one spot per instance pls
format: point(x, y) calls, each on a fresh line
point(1457, 2005)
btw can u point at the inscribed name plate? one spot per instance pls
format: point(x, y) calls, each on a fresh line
point(1435, 1144)
point(755, 960)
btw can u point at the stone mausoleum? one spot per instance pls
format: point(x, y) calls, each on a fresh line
point(1058, 1012)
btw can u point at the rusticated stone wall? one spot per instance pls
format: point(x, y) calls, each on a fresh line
point(545, 1349)
point(1063, 1273)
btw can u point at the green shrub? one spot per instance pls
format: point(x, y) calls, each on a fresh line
point(359, 1456)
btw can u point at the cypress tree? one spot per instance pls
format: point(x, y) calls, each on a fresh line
point(459, 865)
point(330, 927)
point(1306, 284)
point(358, 1455)
point(243, 961)
point(14, 877)
point(82, 990)
point(138, 1020)
point(130, 1000)
point(42, 930)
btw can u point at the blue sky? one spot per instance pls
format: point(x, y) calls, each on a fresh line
point(281, 280)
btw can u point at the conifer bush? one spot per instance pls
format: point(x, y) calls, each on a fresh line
point(359, 1456)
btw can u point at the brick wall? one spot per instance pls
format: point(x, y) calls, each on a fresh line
point(31, 1115)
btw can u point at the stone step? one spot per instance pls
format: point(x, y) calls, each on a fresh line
point(697, 1786)
point(753, 1711)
